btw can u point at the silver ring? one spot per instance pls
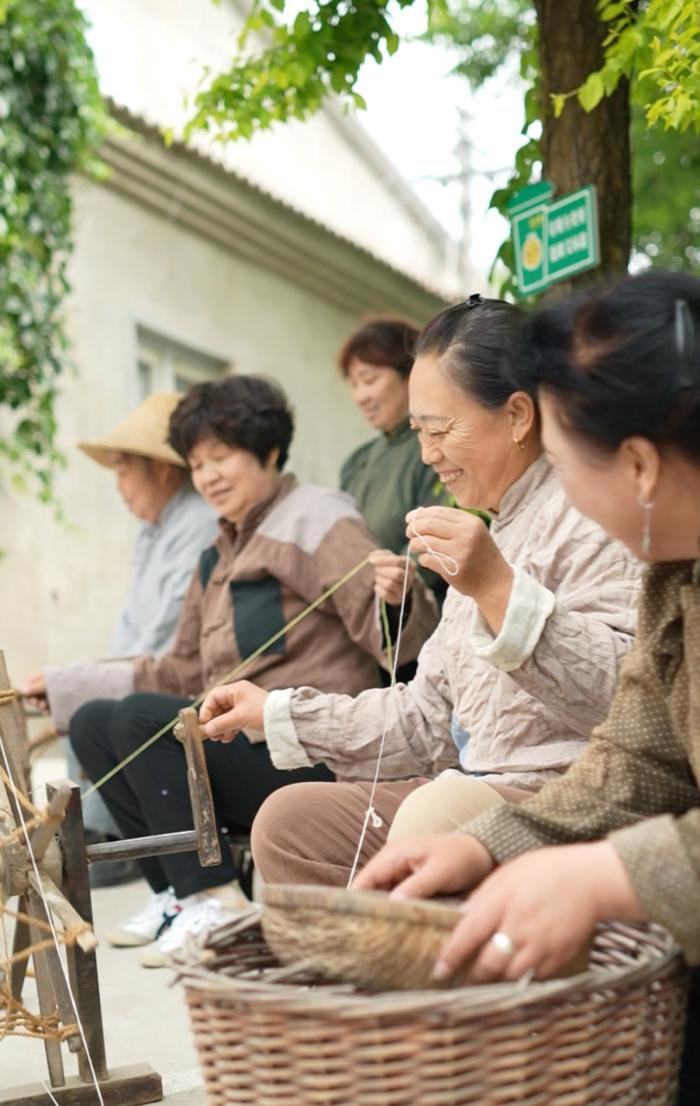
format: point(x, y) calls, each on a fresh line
point(503, 943)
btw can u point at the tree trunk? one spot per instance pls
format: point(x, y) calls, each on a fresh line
point(579, 148)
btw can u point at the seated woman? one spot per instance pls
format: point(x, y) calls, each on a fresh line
point(386, 475)
point(618, 378)
point(525, 660)
point(176, 526)
point(280, 546)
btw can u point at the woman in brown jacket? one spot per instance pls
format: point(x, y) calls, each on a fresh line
point(280, 546)
point(618, 377)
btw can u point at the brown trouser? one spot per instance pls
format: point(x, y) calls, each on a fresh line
point(309, 832)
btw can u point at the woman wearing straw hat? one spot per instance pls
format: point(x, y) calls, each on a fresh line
point(280, 546)
point(176, 525)
point(176, 522)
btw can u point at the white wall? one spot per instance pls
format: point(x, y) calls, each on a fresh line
point(151, 54)
point(62, 585)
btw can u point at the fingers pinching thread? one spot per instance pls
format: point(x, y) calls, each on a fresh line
point(444, 558)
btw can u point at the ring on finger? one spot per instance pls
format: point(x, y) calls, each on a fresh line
point(503, 943)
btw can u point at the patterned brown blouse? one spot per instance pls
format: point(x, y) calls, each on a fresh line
point(638, 781)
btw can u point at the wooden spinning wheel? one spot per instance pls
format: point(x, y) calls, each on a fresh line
point(44, 863)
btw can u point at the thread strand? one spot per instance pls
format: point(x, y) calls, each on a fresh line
point(232, 675)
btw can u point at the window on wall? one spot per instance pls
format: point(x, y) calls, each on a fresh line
point(164, 365)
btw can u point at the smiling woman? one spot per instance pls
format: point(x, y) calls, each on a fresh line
point(463, 408)
point(386, 475)
point(535, 624)
point(236, 448)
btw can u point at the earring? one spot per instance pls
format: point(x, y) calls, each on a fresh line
point(519, 442)
point(646, 525)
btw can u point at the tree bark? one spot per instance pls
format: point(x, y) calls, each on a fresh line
point(580, 148)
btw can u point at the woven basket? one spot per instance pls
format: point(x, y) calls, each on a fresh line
point(609, 1036)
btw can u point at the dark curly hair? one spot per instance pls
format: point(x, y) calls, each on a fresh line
point(384, 341)
point(247, 412)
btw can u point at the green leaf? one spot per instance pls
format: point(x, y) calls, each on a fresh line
point(591, 92)
point(558, 102)
point(302, 25)
point(338, 81)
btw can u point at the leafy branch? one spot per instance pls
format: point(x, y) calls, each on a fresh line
point(318, 54)
point(51, 124)
point(657, 44)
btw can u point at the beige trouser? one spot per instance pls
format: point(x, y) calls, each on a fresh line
point(446, 803)
point(309, 832)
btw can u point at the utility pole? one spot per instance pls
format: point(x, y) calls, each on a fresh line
point(464, 177)
point(463, 152)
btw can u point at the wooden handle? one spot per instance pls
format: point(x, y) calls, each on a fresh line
point(190, 733)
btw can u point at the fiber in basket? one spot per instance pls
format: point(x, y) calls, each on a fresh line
point(273, 1036)
point(364, 938)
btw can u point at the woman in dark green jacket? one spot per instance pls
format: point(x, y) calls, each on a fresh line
point(386, 475)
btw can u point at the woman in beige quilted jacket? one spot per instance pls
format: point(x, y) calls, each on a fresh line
point(538, 617)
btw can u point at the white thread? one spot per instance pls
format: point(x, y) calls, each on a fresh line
point(444, 557)
point(54, 934)
point(371, 812)
point(49, 1093)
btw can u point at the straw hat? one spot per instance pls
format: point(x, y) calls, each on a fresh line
point(143, 432)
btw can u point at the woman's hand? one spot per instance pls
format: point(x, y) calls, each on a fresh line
point(34, 690)
point(230, 708)
point(432, 864)
point(389, 570)
point(547, 903)
point(471, 562)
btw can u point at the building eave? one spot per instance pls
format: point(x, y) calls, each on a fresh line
point(186, 186)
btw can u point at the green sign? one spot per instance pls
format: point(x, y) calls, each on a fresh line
point(553, 240)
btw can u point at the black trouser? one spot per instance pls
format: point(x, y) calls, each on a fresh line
point(150, 795)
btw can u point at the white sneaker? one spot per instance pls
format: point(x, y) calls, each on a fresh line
point(148, 923)
point(197, 915)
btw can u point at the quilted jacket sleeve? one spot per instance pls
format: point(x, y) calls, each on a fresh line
point(345, 733)
point(570, 623)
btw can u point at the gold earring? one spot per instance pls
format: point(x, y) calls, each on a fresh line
point(519, 442)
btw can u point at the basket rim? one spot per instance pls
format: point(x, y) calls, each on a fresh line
point(656, 963)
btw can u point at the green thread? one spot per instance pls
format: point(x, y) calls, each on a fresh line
point(240, 667)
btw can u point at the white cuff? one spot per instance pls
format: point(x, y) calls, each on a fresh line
point(529, 606)
point(286, 751)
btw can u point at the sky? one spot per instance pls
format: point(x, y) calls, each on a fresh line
point(413, 113)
